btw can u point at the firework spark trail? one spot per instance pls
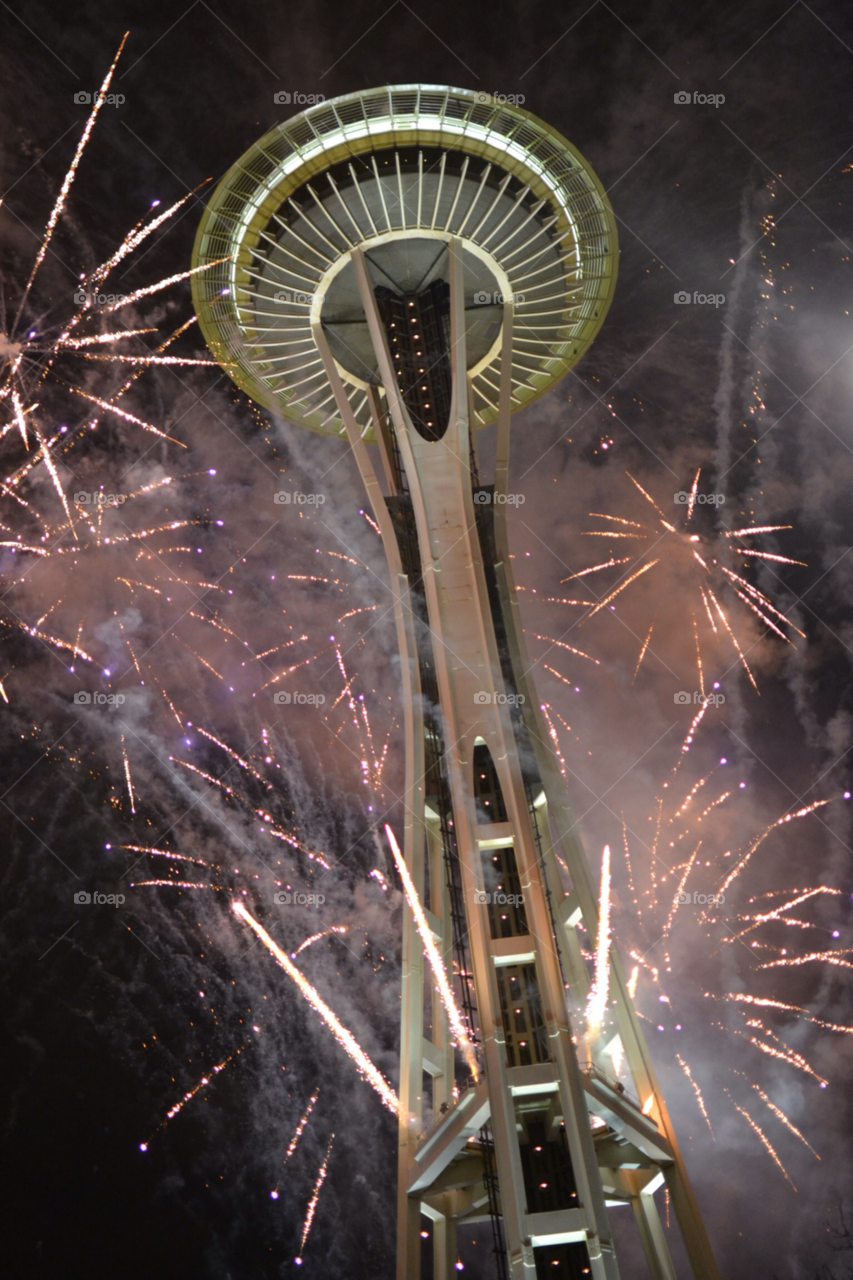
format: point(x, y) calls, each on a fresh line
point(642, 652)
point(553, 672)
point(792, 1058)
point(758, 595)
point(436, 963)
point(190, 1094)
point(208, 777)
point(315, 937)
point(715, 804)
point(377, 875)
point(312, 1203)
point(300, 1128)
point(742, 997)
point(601, 515)
point(689, 798)
point(100, 98)
point(767, 622)
point(117, 358)
point(756, 1128)
point(562, 644)
point(828, 957)
point(284, 674)
point(174, 884)
point(608, 564)
point(677, 896)
point(685, 1067)
point(631, 885)
point(691, 501)
point(294, 1141)
point(128, 778)
point(163, 284)
point(761, 528)
point(597, 999)
point(650, 564)
point(344, 1037)
point(244, 764)
point(372, 763)
point(647, 496)
point(555, 741)
point(759, 840)
point(136, 237)
point(785, 1121)
point(768, 555)
point(128, 417)
point(691, 734)
point(733, 638)
point(699, 666)
point(776, 914)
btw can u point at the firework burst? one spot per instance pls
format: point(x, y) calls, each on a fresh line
point(706, 570)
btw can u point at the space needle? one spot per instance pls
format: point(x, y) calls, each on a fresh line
point(398, 268)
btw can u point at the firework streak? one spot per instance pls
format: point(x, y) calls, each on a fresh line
point(190, 1094)
point(439, 972)
point(344, 1038)
point(315, 1196)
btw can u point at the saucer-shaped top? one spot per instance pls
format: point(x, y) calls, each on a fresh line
point(396, 173)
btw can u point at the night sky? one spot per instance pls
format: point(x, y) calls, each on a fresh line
point(113, 1013)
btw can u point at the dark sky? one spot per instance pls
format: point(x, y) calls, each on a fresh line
point(749, 198)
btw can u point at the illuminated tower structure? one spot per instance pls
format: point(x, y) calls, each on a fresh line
point(402, 266)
